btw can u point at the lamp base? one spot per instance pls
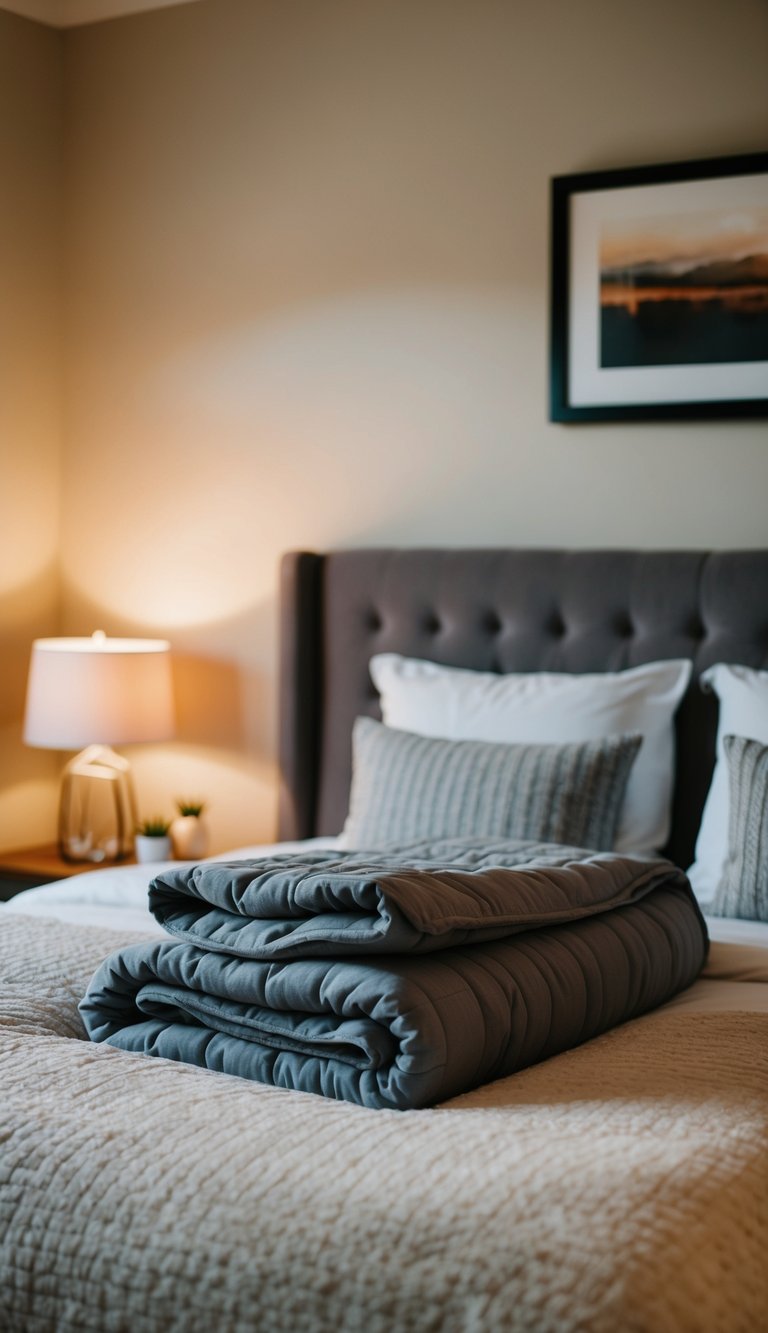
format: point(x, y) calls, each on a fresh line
point(97, 811)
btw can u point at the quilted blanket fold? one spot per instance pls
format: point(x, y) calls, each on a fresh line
point(398, 979)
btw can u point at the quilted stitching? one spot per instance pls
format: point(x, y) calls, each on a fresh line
point(619, 1186)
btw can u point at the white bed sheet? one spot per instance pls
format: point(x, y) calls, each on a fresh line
point(116, 897)
point(734, 977)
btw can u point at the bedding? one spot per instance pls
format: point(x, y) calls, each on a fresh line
point(117, 899)
point(401, 977)
point(547, 707)
point(406, 786)
point(618, 1186)
point(742, 695)
point(743, 887)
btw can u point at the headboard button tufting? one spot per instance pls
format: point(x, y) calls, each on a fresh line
point(564, 610)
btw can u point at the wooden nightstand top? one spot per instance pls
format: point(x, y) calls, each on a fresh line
point(45, 863)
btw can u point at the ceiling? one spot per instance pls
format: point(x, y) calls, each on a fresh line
point(71, 13)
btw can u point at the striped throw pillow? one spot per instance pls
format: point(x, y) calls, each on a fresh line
point(406, 787)
point(743, 887)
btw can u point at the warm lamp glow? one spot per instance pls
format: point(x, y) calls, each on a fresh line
point(98, 692)
point(110, 691)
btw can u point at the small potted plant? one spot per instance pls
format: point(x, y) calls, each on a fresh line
point(153, 841)
point(189, 831)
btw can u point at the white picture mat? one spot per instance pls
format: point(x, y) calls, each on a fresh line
point(588, 383)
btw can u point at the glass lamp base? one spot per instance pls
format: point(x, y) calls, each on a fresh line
point(97, 813)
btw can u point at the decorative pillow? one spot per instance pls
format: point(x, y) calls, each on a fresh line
point(743, 696)
point(743, 888)
point(406, 787)
point(551, 708)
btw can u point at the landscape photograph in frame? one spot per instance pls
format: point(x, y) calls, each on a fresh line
point(659, 292)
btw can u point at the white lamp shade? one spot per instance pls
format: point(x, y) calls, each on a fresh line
point(98, 691)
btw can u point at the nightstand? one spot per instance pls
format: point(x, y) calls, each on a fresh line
point(26, 867)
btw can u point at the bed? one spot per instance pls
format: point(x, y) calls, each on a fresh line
point(619, 1185)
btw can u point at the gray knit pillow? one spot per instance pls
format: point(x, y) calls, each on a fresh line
point(406, 787)
point(743, 887)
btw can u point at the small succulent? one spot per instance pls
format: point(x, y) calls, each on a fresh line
point(156, 827)
point(194, 808)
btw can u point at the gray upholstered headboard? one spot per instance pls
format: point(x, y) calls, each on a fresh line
point(502, 610)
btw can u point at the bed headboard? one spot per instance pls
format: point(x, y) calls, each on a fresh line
point(501, 610)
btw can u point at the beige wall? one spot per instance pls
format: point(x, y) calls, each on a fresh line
point(306, 305)
point(30, 215)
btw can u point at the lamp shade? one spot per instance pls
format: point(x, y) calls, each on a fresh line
point(98, 690)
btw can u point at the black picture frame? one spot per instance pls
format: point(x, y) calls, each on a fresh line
point(700, 194)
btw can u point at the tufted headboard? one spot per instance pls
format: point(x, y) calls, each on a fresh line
point(502, 610)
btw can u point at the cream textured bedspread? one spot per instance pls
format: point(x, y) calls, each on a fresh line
point(620, 1186)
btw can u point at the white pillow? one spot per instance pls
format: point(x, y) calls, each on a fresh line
point(546, 708)
point(743, 696)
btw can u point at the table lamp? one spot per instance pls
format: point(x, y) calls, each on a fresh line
point(96, 693)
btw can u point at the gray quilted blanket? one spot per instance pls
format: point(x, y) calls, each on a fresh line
point(398, 978)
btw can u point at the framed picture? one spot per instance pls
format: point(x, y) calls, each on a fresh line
point(659, 296)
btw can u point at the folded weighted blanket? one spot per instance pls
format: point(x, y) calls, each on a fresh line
point(397, 978)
